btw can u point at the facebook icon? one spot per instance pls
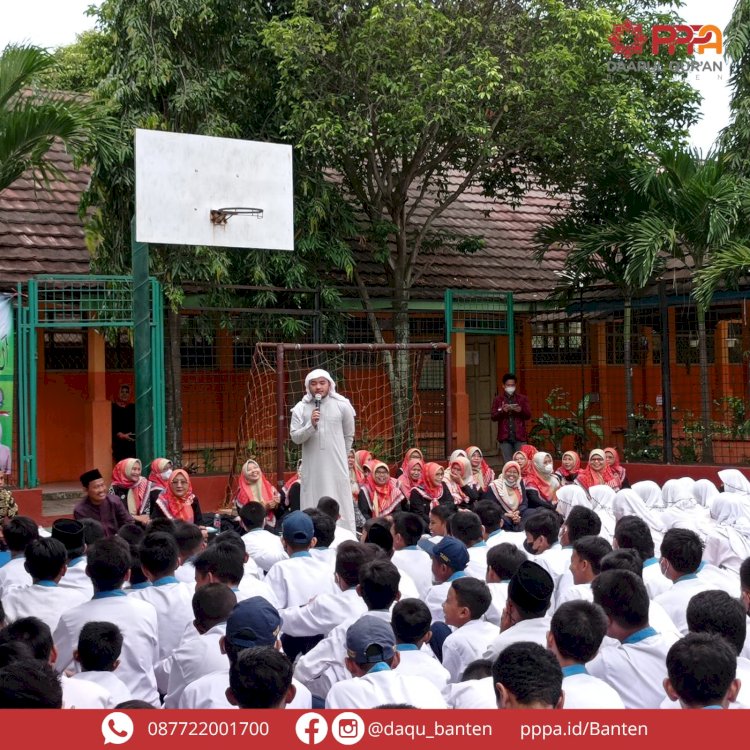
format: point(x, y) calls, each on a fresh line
point(311, 728)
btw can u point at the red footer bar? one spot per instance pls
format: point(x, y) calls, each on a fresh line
point(458, 730)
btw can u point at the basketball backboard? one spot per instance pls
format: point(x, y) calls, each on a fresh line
point(183, 182)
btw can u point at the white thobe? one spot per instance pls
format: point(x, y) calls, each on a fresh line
point(534, 630)
point(140, 640)
point(264, 548)
point(472, 694)
point(466, 644)
point(297, 580)
point(13, 574)
point(675, 600)
point(110, 682)
point(417, 564)
point(173, 602)
point(325, 450)
point(635, 668)
point(192, 659)
point(381, 687)
point(582, 690)
point(422, 663)
point(44, 600)
point(322, 614)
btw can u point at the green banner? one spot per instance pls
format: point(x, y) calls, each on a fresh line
point(7, 366)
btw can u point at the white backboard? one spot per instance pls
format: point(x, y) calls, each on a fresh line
point(180, 179)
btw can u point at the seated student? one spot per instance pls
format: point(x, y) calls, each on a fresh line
point(252, 583)
point(635, 667)
point(371, 658)
point(172, 600)
point(717, 613)
point(324, 530)
point(380, 537)
point(629, 559)
point(252, 623)
point(632, 532)
point(503, 561)
point(467, 528)
point(491, 518)
point(190, 544)
point(525, 615)
point(71, 534)
point(323, 666)
point(542, 528)
point(261, 678)
point(331, 508)
point(108, 566)
point(264, 548)
point(701, 672)
point(449, 560)
point(476, 688)
point(321, 615)
point(468, 600)
point(527, 676)
point(580, 522)
point(438, 521)
point(576, 632)
point(681, 554)
point(296, 580)
point(432, 492)
point(585, 565)
point(98, 655)
point(745, 599)
point(195, 657)
point(18, 532)
point(407, 530)
point(37, 635)
point(28, 683)
point(100, 506)
point(411, 621)
point(45, 563)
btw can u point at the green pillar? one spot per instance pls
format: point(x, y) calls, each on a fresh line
point(144, 394)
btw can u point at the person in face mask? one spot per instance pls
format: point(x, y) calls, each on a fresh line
point(511, 411)
point(161, 471)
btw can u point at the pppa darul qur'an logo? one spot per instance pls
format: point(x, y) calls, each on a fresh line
point(629, 39)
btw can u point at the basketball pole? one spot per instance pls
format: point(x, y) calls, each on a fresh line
point(144, 394)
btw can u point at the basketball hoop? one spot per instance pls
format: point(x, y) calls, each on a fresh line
point(220, 216)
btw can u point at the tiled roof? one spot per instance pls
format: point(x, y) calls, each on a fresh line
point(505, 263)
point(40, 229)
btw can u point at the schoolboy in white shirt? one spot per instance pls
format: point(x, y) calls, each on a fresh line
point(331, 508)
point(542, 529)
point(190, 543)
point(449, 560)
point(526, 675)
point(408, 557)
point(467, 528)
point(18, 532)
point(324, 529)
point(503, 560)
point(98, 655)
point(70, 533)
point(585, 565)
point(468, 600)
point(632, 532)
point(263, 547)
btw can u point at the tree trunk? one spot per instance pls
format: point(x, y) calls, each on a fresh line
point(708, 449)
point(401, 382)
point(627, 324)
point(173, 395)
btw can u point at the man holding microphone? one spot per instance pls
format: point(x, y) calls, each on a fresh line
point(323, 424)
point(511, 411)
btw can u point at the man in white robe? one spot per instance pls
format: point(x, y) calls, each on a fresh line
point(323, 424)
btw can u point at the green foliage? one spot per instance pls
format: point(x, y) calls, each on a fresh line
point(642, 443)
point(736, 413)
point(563, 421)
point(80, 66)
point(31, 120)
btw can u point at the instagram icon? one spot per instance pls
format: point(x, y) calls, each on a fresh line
point(348, 728)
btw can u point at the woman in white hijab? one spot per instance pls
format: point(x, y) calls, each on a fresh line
point(705, 492)
point(570, 495)
point(734, 481)
point(323, 424)
point(629, 503)
point(650, 492)
point(678, 492)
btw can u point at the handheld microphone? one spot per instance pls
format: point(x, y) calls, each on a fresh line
point(317, 402)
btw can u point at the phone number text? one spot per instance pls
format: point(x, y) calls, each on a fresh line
point(208, 728)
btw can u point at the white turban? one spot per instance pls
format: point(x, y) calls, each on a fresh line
point(314, 375)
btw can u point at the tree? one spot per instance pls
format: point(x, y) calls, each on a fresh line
point(596, 231)
point(198, 66)
point(697, 213)
point(412, 102)
point(31, 120)
point(81, 66)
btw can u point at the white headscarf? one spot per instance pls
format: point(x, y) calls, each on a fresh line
point(570, 495)
point(650, 492)
point(456, 454)
point(602, 495)
point(678, 492)
point(629, 503)
point(734, 481)
point(314, 375)
point(705, 492)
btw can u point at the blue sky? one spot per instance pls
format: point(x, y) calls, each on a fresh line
point(56, 22)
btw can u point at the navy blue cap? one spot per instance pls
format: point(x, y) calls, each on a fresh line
point(452, 552)
point(370, 640)
point(297, 528)
point(253, 622)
